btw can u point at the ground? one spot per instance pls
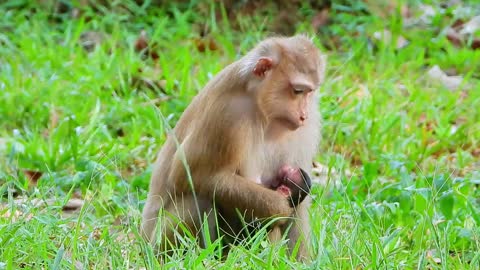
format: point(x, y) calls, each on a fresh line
point(85, 100)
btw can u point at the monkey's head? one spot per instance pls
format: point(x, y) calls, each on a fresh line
point(293, 183)
point(287, 74)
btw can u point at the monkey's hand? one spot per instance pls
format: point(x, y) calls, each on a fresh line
point(296, 184)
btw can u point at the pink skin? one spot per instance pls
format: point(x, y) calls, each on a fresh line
point(286, 172)
point(285, 191)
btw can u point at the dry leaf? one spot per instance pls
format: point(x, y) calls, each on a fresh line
point(427, 13)
point(156, 101)
point(362, 92)
point(385, 36)
point(32, 176)
point(54, 118)
point(97, 234)
point(77, 264)
point(148, 78)
point(458, 23)
point(6, 213)
point(476, 152)
point(73, 205)
point(460, 40)
point(385, 9)
point(460, 33)
point(90, 40)
point(142, 42)
point(450, 82)
point(454, 37)
point(205, 42)
point(475, 44)
point(471, 26)
point(431, 255)
point(142, 46)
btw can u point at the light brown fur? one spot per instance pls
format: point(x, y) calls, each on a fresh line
point(234, 136)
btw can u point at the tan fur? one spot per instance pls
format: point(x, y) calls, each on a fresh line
point(233, 143)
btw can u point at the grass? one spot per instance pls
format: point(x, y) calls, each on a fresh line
point(412, 147)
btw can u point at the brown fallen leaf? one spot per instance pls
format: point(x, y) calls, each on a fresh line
point(54, 118)
point(142, 46)
point(97, 233)
point(470, 27)
point(458, 23)
point(428, 12)
point(204, 43)
point(77, 264)
point(6, 213)
point(432, 255)
point(72, 205)
point(462, 33)
point(89, 40)
point(147, 83)
point(32, 176)
point(450, 82)
point(156, 101)
point(385, 9)
point(149, 78)
point(475, 44)
point(385, 36)
point(454, 37)
point(142, 42)
point(476, 152)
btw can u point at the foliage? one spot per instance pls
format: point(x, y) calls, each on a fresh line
point(405, 148)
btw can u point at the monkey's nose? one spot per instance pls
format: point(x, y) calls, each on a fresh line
point(303, 118)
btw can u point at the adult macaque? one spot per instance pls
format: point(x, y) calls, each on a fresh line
point(233, 141)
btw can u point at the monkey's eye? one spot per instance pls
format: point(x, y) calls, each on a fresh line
point(300, 88)
point(298, 91)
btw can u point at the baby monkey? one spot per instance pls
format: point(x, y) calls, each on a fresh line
point(293, 183)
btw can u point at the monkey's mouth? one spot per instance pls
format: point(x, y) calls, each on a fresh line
point(284, 190)
point(289, 123)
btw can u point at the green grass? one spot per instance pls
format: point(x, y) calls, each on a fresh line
point(412, 146)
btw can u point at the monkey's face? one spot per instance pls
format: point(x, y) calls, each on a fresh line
point(289, 85)
point(289, 96)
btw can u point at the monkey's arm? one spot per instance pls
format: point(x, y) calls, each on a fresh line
point(213, 160)
point(231, 190)
point(236, 191)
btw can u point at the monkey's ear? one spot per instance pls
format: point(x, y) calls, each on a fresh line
point(263, 65)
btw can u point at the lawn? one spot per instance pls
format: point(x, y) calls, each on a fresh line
point(86, 99)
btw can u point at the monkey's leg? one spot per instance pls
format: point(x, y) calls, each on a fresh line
point(184, 216)
point(150, 216)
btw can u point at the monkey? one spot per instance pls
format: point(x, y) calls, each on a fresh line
point(230, 146)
